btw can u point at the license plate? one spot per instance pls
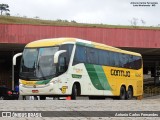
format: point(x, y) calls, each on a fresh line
point(35, 91)
point(14, 93)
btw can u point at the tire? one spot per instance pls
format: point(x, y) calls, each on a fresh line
point(129, 93)
point(42, 97)
point(122, 93)
point(74, 92)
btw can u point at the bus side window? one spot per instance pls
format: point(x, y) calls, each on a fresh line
point(104, 58)
point(131, 61)
point(116, 59)
point(125, 60)
point(112, 62)
point(80, 55)
point(62, 63)
point(137, 62)
point(69, 48)
point(92, 55)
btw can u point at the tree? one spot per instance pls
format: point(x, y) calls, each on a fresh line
point(73, 21)
point(143, 22)
point(4, 7)
point(7, 14)
point(134, 22)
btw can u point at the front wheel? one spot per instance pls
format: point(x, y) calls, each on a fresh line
point(122, 93)
point(74, 92)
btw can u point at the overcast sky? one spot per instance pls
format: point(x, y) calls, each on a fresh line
point(114, 12)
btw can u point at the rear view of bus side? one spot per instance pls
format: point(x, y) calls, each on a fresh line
point(75, 67)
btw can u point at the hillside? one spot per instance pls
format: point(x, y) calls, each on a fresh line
point(35, 21)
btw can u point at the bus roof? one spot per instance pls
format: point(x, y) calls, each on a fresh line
point(59, 41)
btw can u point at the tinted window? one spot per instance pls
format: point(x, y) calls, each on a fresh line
point(69, 48)
point(92, 55)
point(112, 62)
point(136, 62)
point(116, 59)
point(130, 61)
point(123, 60)
point(80, 55)
point(104, 58)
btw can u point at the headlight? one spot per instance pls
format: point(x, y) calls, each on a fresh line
point(56, 81)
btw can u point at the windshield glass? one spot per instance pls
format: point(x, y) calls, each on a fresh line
point(38, 63)
point(46, 65)
point(29, 59)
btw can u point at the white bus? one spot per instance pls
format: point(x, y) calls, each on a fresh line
point(74, 67)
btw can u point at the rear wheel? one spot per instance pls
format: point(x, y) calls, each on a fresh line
point(74, 92)
point(129, 93)
point(122, 93)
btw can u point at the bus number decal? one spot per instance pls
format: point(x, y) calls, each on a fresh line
point(123, 73)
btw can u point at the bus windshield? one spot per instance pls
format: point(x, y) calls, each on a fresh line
point(38, 63)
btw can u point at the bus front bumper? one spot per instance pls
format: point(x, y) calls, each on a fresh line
point(48, 89)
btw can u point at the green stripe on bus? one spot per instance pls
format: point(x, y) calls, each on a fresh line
point(43, 82)
point(84, 44)
point(93, 76)
point(102, 77)
point(98, 77)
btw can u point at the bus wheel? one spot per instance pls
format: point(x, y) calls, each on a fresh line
point(122, 93)
point(129, 93)
point(74, 92)
point(42, 97)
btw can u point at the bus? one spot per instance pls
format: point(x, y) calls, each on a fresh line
point(74, 67)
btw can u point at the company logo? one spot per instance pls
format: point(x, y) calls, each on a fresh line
point(78, 70)
point(122, 73)
point(6, 114)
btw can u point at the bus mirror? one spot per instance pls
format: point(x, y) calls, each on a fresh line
point(15, 57)
point(57, 54)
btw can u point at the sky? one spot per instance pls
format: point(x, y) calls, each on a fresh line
point(112, 12)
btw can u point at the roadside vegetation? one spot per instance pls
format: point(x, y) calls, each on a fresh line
point(6, 18)
point(36, 21)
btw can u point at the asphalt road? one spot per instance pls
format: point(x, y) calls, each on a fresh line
point(147, 104)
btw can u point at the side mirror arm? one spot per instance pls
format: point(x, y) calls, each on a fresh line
point(15, 57)
point(13, 64)
point(56, 55)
